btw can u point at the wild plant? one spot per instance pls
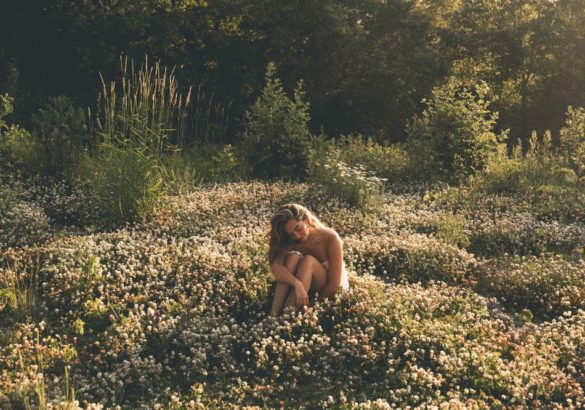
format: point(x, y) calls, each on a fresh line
point(353, 184)
point(17, 147)
point(20, 290)
point(387, 161)
point(150, 104)
point(61, 133)
point(454, 136)
point(572, 138)
point(125, 182)
point(276, 138)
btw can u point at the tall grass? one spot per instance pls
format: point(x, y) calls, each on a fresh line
point(150, 103)
point(209, 118)
point(21, 289)
point(150, 98)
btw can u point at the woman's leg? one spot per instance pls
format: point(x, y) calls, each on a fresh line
point(312, 275)
point(283, 289)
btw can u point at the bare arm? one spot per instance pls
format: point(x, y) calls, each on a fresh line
point(335, 256)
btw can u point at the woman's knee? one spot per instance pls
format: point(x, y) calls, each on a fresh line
point(308, 262)
point(292, 261)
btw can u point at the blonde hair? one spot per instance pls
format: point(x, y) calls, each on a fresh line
point(278, 238)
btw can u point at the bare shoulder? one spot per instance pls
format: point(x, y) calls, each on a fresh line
point(329, 235)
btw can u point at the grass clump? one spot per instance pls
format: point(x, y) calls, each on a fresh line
point(124, 182)
point(137, 160)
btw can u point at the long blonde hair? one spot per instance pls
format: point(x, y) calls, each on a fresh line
point(278, 239)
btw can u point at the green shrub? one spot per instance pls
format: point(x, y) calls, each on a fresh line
point(276, 138)
point(352, 184)
point(61, 134)
point(17, 146)
point(123, 183)
point(137, 159)
point(520, 173)
point(572, 146)
point(217, 163)
point(548, 179)
point(455, 135)
point(572, 137)
point(387, 161)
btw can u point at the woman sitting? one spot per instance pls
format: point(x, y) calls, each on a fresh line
point(305, 257)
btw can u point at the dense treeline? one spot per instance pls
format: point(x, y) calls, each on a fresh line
point(366, 64)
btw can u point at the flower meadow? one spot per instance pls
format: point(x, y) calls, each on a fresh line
point(456, 302)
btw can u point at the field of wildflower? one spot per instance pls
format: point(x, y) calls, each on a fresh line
point(458, 301)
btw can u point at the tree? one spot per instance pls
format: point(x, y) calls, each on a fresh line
point(277, 136)
point(455, 132)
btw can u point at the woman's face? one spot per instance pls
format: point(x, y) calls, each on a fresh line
point(297, 230)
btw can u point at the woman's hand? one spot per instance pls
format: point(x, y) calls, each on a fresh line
point(301, 296)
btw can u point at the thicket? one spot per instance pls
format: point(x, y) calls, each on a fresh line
point(454, 135)
point(148, 137)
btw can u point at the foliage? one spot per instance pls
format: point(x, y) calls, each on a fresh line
point(352, 184)
point(173, 312)
point(387, 161)
point(455, 135)
point(551, 177)
point(447, 227)
point(276, 138)
point(520, 173)
point(124, 183)
point(572, 145)
point(356, 58)
point(61, 136)
point(217, 163)
point(17, 147)
point(348, 169)
point(150, 102)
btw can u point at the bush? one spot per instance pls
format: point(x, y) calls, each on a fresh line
point(386, 161)
point(17, 147)
point(137, 160)
point(276, 138)
point(124, 184)
point(217, 163)
point(572, 138)
point(352, 184)
point(61, 134)
point(454, 136)
point(519, 173)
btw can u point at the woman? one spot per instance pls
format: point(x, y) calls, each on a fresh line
point(305, 257)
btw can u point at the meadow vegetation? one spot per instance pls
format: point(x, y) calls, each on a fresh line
point(135, 275)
